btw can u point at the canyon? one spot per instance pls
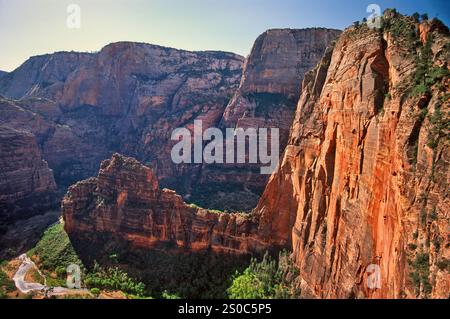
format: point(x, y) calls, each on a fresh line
point(129, 97)
point(363, 180)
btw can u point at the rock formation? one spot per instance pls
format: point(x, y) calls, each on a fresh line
point(364, 178)
point(129, 97)
point(27, 189)
point(125, 200)
point(266, 98)
point(363, 184)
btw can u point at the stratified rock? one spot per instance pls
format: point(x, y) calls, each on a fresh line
point(266, 98)
point(27, 189)
point(128, 97)
point(364, 178)
point(125, 201)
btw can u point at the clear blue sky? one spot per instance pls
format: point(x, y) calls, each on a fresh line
point(31, 27)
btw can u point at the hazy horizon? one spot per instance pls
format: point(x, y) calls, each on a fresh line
point(29, 28)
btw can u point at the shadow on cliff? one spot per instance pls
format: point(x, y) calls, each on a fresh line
point(193, 275)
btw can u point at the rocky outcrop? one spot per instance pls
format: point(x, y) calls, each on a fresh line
point(364, 178)
point(125, 201)
point(266, 98)
point(27, 188)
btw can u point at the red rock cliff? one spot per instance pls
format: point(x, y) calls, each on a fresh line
point(364, 178)
point(27, 191)
point(125, 201)
point(266, 98)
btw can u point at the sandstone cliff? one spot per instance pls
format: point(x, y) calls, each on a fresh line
point(125, 201)
point(27, 188)
point(363, 181)
point(266, 98)
point(364, 178)
point(82, 107)
point(127, 97)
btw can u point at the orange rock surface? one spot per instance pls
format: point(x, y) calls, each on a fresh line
point(359, 183)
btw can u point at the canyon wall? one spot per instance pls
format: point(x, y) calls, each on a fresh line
point(27, 189)
point(129, 97)
point(364, 178)
point(362, 187)
point(266, 98)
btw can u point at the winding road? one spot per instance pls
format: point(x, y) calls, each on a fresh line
point(27, 287)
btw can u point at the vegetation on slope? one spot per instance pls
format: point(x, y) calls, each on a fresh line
point(113, 279)
point(53, 254)
point(268, 279)
point(6, 284)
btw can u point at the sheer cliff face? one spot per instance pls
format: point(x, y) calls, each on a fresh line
point(364, 178)
point(266, 98)
point(126, 203)
point(26, 189)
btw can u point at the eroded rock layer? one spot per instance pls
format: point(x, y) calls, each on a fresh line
point(364, 179)
point(128, 97)
point(125, 201)
point(266, 98)
point(27, 188)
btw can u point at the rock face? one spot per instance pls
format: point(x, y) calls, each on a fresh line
point(125, 201)
point(128, 97)
point(266, 98)
point(363, 185)
point(27, 188)
point(364, 178)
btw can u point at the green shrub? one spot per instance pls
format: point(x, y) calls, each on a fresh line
point(113, 279)
point(61, 271)
point(95, 291)
point(6, 285)
point(166, 295)
point(421, 272)
point(440, 126)
point(267, 279)
point(55, 251)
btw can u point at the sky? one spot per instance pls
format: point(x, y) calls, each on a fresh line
point(33, 27)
